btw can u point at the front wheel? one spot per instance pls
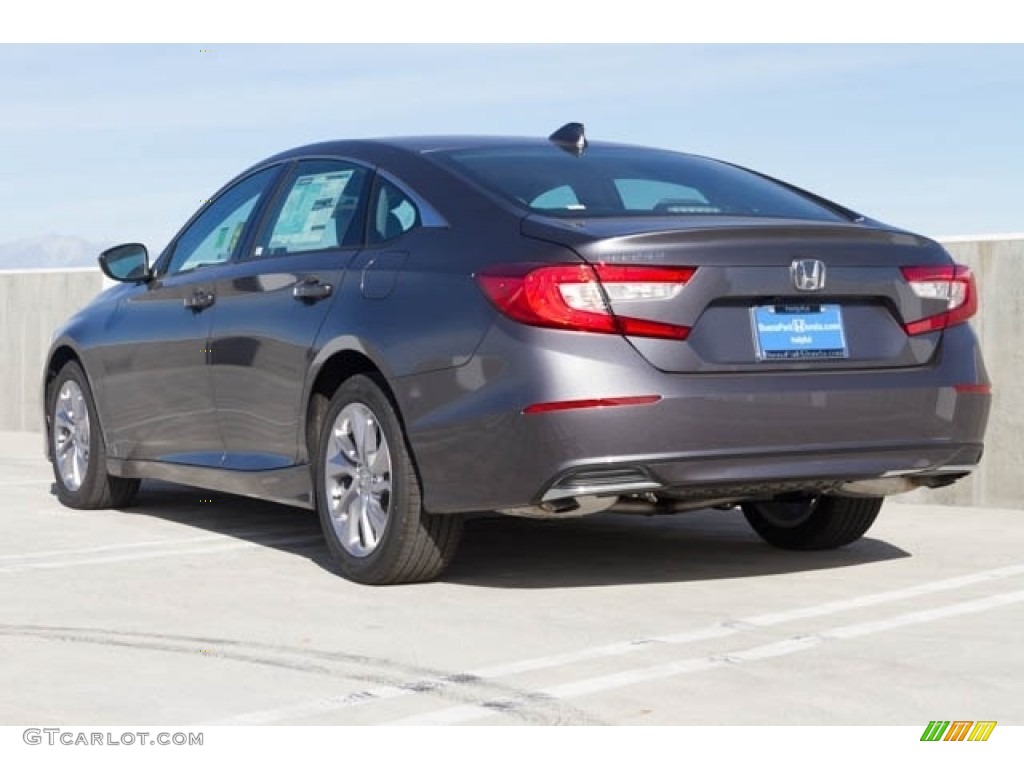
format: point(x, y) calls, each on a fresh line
point(817, 522)
point(368, 494)
point(77, 452)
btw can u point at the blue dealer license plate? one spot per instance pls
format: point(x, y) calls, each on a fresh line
point(794, 332)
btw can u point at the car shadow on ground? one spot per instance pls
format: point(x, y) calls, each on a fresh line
point(629, 549)
point(511, 553)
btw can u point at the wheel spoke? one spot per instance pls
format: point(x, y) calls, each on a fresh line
point(380, 462)
point(359, 429)
point(376, 518)
point(63, 420)
point(368, 537)
point(342, 504)
point(351, 534)
point(341, 442)
point(76, 409)
point(79, 466)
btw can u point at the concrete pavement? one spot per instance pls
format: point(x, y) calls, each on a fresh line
point(195, 608)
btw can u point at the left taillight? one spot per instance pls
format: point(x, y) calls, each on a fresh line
point(582, 297)
point(952, 284)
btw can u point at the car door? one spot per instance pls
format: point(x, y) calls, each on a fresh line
point(155, 366)
point(272, 304)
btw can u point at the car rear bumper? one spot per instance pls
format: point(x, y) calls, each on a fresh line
point(754, 475)
point(723, 436)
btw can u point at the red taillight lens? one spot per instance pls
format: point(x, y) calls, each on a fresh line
point(581, 297)
point(953, 284)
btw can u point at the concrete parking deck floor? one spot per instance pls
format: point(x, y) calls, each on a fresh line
point(199, 608)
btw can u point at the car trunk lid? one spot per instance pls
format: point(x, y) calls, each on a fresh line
point(769, 294)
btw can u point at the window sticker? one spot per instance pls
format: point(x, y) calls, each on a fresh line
point(308, 210)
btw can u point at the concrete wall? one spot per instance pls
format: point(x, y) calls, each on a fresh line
point(998, 265)
point(33, 303)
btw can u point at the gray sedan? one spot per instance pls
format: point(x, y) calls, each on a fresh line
point(400, 332)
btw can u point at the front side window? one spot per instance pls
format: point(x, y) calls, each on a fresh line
point(626, 181)
point(216, 235)
point(393, 214)
point(321, 210)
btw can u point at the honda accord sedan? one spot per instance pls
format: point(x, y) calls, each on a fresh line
point(398, 333)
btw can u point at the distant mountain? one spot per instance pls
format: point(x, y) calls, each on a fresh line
point(49, 252)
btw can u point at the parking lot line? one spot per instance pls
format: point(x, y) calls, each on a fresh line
point(604, 683)
point(177, 551)
point(718, 630)
point(219, 536)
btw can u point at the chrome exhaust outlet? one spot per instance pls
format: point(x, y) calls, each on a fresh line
point(879, 486)
point(577, 506)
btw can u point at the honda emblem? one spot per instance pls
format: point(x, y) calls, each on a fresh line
point(808, 274)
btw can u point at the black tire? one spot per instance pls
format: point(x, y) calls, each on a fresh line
point(96, 488)
point(412, 545)
point(819, 522)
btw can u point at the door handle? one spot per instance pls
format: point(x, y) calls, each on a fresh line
point(199, 300)
point(311, 289)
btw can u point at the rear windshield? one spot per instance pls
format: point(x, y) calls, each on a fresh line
point(627, 181)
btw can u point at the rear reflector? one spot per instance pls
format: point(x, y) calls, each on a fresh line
point(973, 389)
point(581, 297)
point(952, 284)
point(598, 402)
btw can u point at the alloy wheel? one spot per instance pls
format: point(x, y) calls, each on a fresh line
point(71, 435)
point(357, 479)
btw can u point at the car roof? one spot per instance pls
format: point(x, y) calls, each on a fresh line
point(424, 144)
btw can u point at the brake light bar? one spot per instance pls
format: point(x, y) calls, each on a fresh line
point(953, 284)
point(584, 297)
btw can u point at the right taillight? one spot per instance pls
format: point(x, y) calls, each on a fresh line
point(584, 297)
point(951, 284)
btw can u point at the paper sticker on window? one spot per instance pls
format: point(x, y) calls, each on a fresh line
point(308, 210)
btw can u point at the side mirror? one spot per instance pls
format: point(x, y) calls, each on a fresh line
point(126, 263)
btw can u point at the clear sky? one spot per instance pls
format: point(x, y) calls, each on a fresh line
point(122, 142)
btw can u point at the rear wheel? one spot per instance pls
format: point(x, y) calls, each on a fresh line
point(77, 452)
point(368, 494)
point(817, 522)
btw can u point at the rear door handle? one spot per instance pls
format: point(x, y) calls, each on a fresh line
point(311, 289)
point(199, 300)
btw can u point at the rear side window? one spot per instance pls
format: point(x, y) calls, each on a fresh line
point(627, 181)
point(320, 209)
point(393, 213)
